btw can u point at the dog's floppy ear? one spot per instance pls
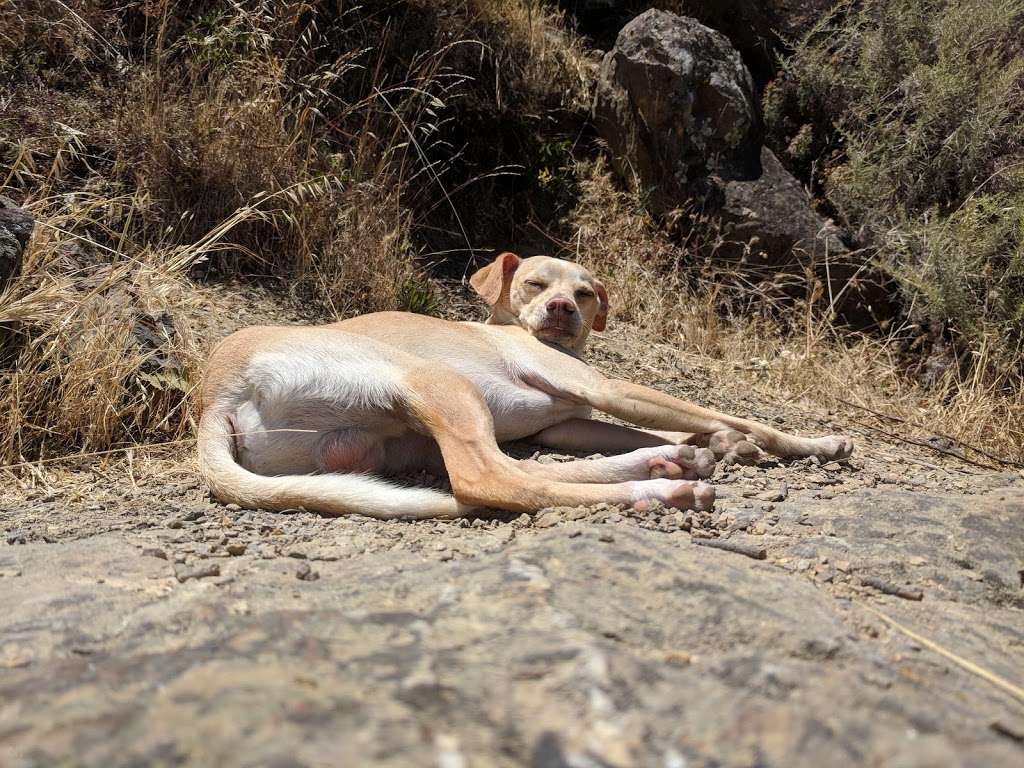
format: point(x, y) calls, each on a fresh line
point(601, 318)
point(492, 281)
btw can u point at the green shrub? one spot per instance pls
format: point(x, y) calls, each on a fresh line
point(908, 116)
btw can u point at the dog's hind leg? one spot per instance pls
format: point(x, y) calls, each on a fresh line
point(593, 436)
point(665, 461)
point(451, 410)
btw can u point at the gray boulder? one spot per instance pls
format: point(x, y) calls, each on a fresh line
point(675, 104)
point(757, 28)
point(678, 110)
point(15, 229)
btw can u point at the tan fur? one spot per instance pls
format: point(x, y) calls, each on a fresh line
point(410, 391)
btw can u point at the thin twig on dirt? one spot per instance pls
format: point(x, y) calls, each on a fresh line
point(73, 457)
point(921, 443)
point(1003, 729)
point(907, 593)
point(1000, 682)
point(749, 550)
point(926, 464)
point(958, 441)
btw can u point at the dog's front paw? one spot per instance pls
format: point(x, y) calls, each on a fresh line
point(734, 447)
point(834, 448)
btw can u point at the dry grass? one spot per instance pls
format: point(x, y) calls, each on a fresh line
point(96, 357)
point(246, 140)
point(157, 144)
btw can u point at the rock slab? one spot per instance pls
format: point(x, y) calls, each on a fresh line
point(574, 645)
point(15, 230)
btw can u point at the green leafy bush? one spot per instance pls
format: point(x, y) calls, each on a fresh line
point(908, 117)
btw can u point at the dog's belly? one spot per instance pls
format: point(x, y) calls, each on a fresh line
point(519, 410)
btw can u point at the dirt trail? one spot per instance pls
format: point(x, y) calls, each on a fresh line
point(141, 624)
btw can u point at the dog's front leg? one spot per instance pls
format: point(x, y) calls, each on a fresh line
point(731, 437)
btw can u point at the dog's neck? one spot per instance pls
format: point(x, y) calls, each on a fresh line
point(500, 316)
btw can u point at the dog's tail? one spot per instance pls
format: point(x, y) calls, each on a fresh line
point(340, 494)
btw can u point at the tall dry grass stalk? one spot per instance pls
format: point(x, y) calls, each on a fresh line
point(96, 348)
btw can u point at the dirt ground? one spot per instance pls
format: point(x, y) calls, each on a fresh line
point(142, 624)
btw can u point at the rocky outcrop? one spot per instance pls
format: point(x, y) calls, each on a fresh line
point(679, 113)
point(576, 644)
point(15, 230)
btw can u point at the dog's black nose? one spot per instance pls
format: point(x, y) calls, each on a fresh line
point(560, 305)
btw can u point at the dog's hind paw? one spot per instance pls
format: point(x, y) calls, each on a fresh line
point(734, 447)
point(677, 494)
point(683, 462)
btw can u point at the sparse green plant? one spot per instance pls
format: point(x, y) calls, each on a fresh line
point(419, 295)
point(552, 174)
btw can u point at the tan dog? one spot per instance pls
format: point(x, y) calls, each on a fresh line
point(298, 417)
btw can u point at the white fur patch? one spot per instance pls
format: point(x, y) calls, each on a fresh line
point(297, 396)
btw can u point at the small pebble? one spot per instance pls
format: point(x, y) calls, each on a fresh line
point(305, 572)
point(200, 571)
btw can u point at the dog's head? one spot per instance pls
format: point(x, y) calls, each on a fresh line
point(555, 300)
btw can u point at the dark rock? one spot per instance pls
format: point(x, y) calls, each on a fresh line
point(678, 110)
point(15, 230)
point(676, 104)
point(155, 335)
point(305, 572)
point(16, 537)
point(769, 219)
